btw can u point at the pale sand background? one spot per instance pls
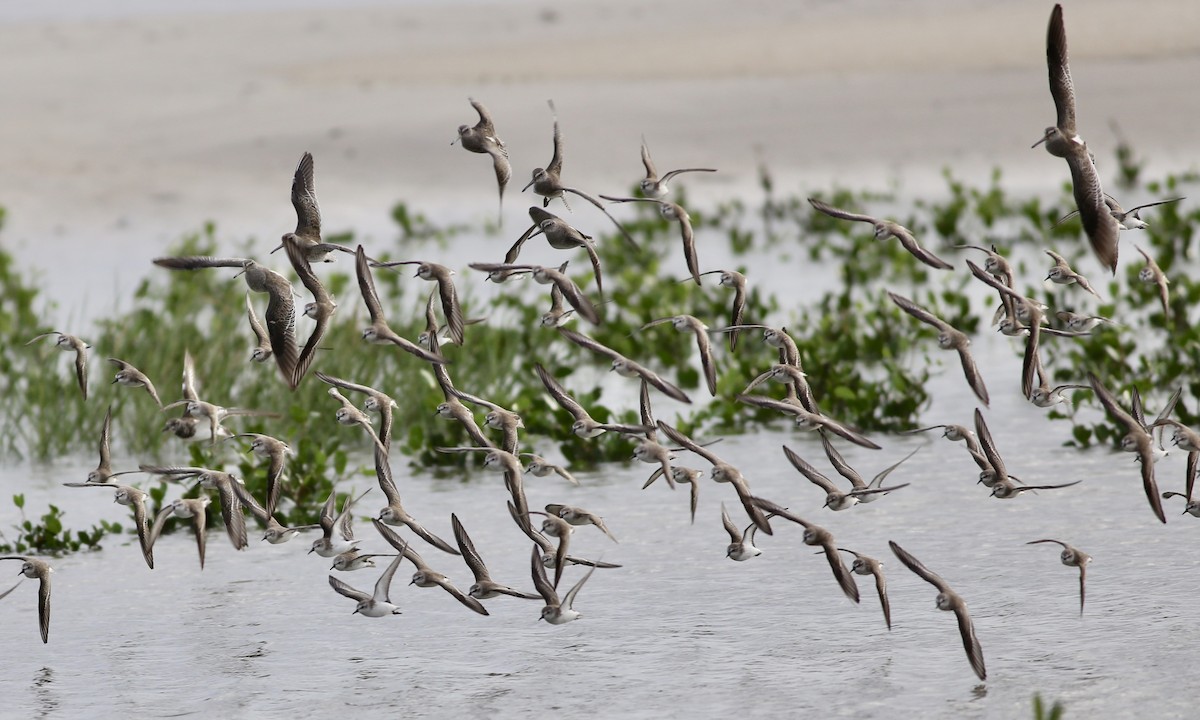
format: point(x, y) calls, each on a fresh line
point(123, 127)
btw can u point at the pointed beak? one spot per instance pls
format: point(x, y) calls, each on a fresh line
point(1039, 142)
point(527, 186)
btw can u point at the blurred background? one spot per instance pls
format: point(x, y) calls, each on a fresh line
point(126, 125)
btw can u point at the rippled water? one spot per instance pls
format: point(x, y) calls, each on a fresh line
point(680, 631)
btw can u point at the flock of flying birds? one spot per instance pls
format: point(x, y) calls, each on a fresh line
point(658, 442)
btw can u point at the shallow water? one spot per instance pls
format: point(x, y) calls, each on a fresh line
point(679, 631)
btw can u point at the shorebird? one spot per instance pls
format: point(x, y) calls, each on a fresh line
point(1152, 274)
point(378, 604)
point(555, 527)
point(995, 264)
point(1188, 440)
point(130, 497)
point(815, 535)
point(276, 452)
point(547, 182)
point(130, 376)
point(378, 331)
point(1062, 140)
point(1137, 439)
point(1062, 274)
point(34, 568)
point(320, 309)
point(70, 343)
point(103, 470)
point(348, 414)
point(864, 565)
point(503, 462)
point(722, 472)
point(440, 274)
point(885, 229)
point(482, 138)
point(549, 554)
point(625, 367)
point(578, 516)
point(584, 426)
point(395, 514)
point(1082, 324)
point(453, 408)
point(556, 612)
point(992, 470)
point(835, 499)
point(338, 530)
point(948, 339)
point(1191, 507)
point(549, 276)
point(686, 476)
point(376, 402)
point(736, 281)
point(276, 532)
point(428, 338)
point(689, 323)
point(498, 418)
point(1130, 219)
point(810, 421)
point(649, 451)
point(223, 482)
point(792, 376)
point(539, 466)
point(561, 236)
point(957, 433)
point(308, 216)
point(948, 600)
point(1071, 556)
point(1018, 307)
point(674, 211)
point(484, 587)
point(352, 560)
point(425, 576)
point(194, 508)
point(195, 409)
point(741, 543)
point(1006, 490)
point(655, 187)
point(281, 310)
point(262, 352)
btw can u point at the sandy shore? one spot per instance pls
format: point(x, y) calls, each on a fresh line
point(122, 131)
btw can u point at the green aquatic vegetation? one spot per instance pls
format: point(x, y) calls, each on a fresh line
point(48, 536)
point(1041, 713)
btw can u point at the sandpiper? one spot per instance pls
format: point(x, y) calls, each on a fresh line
point(281, 310)
point(584, 426)
point(547, 182)
point(1071, 556)
point(549, 556)
point(655, 187)
point(948, 600)
point(556, 612)
point(550, 276)
point(1152, 274)
point(262, 351)
point(378, 331)
point(34, 568)
point(737, 281)
point(376, 401)
point(1062, 274)
point(130, 376)
point(948, 339)
point(395, 514)
point(625, 367)
point(741, 543)
point(426, 576)
point(561, 236)
point(816, 535)
point(378, 604)
point(194, 508)
point(276, 452)
point(70, 343)
point(1062, 140)
point(338, 530)
point(484, 587)
point(674, 211)
point(440, 274)
point(482, 138)
point(722, 472)
point(539, 466)
point(320, 309)
point(865, 565)
point(885, 229)
point(1136, 439)
point(692, 324)
point(308, 216)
